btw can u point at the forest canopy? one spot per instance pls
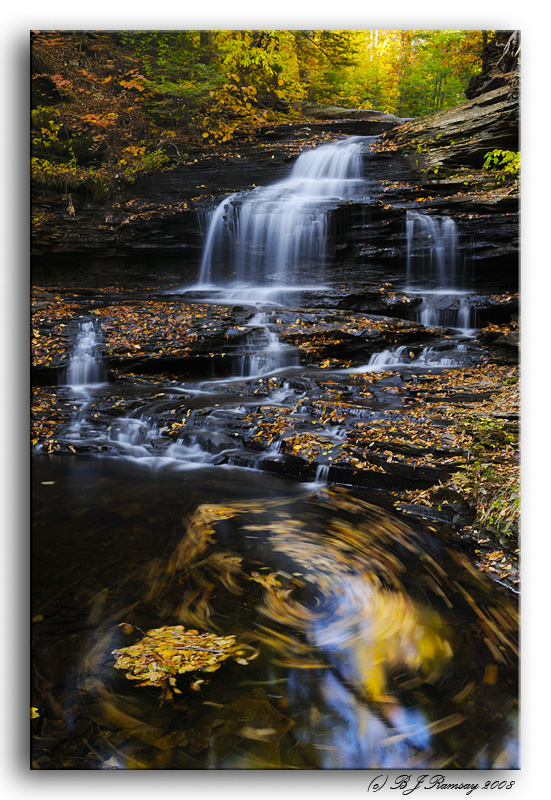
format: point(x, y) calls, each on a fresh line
point(107, 105)
point(408, 73)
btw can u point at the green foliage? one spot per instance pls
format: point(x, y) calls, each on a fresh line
point(45, 125)
point(266, 60)
point(490, 433)
point(137, 158)
point(130, 101)
point(413, 73)
point(326, 63)
point(502, 516)
point(49, 137)
point(504, 163)
point(496, 496)
point(167, 55)
point(490, 479)
point(439, 67)
point(45, 171)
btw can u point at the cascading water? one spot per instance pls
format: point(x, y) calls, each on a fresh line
point(435, 268)
point(254, 238)
point(362, 634)
point(85, 367)
point(84, 374)
point(432, 255)
point(273, 235)
point(269, 353)
point(322, 473)
point(403, 357)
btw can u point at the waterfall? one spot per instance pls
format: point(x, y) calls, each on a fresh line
point(402, 357)
point(85, 367)
point(322, 473)
point(217, 227)
point(464, 316)
point(428, 356)
point(269, 353)
point(274, 233)
point(389, 358)
point(432, 255)
point(435, 268)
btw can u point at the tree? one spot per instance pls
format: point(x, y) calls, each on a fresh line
point(107, 105)
point(412, 73)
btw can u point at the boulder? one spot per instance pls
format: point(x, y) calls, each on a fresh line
point(462, 135)
point(324, 112)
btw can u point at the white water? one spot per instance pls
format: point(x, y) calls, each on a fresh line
point(448, 309)
point(270, 234)
point(432, 255)
point(269, 353)
point(322, 473)
point(403, 357)
point(274, 233)
point(436, 269)
point(85, 367)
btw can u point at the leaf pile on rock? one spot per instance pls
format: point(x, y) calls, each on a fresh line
point(166, 652)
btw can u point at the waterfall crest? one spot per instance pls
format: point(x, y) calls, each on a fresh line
point(274, 233)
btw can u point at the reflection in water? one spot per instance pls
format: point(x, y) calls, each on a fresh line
point(380, 646)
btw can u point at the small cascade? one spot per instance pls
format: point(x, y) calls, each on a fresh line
point(464, 315)
point(432, 252)
point(217, 226)
point(432, 357)
point(435, 269)
point(273, 234)
point(322, 473)
point(448, 309)
point(269, 354)
point(402, 357)
point(85, 367)
point(84, 373)
point(388, 358)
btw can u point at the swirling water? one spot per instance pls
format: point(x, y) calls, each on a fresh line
point(380, 646)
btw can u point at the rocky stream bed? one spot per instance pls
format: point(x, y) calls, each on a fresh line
point(379, 383)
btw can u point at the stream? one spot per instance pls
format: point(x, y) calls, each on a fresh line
point(181, 499)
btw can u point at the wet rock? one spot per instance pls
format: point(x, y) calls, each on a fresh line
point(507, 339)
point(464, 134)
point(156, 232)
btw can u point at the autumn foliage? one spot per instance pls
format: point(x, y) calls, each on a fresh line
point(109, 105)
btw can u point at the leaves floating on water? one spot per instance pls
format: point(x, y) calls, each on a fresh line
point(350, 580)
point(172, 650)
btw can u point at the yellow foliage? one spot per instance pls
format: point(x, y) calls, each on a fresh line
point(168, 651)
